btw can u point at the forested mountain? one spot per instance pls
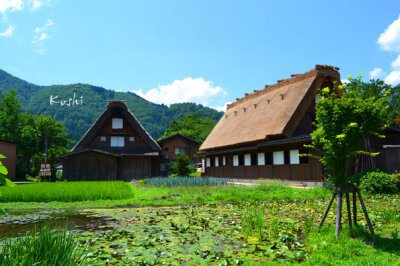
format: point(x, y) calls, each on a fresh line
point(78, 105)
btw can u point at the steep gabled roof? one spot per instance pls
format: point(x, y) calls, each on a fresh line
point(177, 135)
point(271, 113)
point(122, 109)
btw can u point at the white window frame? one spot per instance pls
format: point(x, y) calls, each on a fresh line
point(278, 158)
point(294, 157)
point(223, 160)
point(261, 158)
point(208, 162)
point(117, 142)
point(235, 160)
point(117, 123)
point(216, 161)
point(247, 159)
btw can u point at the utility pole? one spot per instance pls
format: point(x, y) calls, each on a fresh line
point(45, 147)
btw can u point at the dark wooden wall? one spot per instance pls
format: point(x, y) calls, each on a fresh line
point(311, 171)
point(90, 165)
point(170, 144)
point(9, 150)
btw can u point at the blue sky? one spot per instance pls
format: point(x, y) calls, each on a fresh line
point(208, 52)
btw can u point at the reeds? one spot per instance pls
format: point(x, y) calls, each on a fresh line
point(42, 247)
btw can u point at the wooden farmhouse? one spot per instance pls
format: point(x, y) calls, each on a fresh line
point(9, 150)
point(116, 147)
point(179, 143)
point(261, 135)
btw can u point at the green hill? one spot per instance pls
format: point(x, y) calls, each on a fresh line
point(78, 105)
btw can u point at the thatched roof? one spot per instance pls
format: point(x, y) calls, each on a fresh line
point(271, 113)
point(177, 135)
point(120, 107)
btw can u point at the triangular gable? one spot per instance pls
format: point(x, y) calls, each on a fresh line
point(178, 135)
point(101, 121)
point(271, 113)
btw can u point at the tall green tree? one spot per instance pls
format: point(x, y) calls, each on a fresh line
point(29, 132)
point(345, 117)
point(192, 126)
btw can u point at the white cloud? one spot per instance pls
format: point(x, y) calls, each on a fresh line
point(396, 63)
point(37, 4)
point(221, 108)
point(11, 5)
point(377, 73)
point(40, 36)
point(195, 90)
point(393, 78)
point(345, 81)
point(389, 40)
point(8, 32)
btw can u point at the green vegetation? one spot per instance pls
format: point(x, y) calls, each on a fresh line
point(155, 118)
point(44, 247)
point(185, 181)
point(345, 117)
point(30, 133)
point(181, 167)
point(192, 126)
point(258, 233)
point(66, 191)
point(376, 182)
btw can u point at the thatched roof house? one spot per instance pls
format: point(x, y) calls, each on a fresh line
point(116, 146)
point(261, 134)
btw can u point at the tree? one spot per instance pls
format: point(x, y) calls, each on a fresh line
point(3, 172)
point(192, 126)
point(345, 116)
point(181, 166)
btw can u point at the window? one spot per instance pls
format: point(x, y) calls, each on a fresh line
point(287, 157)
point(223, 160)
point(117, 123)
point(208, 162)
point(179, 150)
point(294, 157)
point(254, 159)
point(247, 159)
point(269, 158)
point(278, 157)
point(304, 160)
point(166, 149)
point(241, 159)
point(117, 142)
point(261, 158)
point(103, 138)
point(131, 139)
point(317, 97)
point(216, 161)
point(235, 160)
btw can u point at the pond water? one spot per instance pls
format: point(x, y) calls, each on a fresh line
point(21, 222)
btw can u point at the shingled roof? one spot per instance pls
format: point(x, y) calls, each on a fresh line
point(121, 108)
point(271, 113)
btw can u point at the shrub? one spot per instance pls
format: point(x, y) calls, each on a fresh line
point(377, 182)
point(182, 167)
point(47, 247)
point(3, 181)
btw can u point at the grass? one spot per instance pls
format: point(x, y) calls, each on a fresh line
point(66, 192)
point(147, 196)
point(46, 247)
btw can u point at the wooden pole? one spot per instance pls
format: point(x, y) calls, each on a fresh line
point(367, 217)
point(338, 212)
point(349, 212)
point(355, 205)
point(327, 210)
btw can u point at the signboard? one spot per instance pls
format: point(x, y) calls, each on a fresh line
point(45, 169)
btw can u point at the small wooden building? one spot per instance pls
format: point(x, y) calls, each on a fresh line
point(261, 135)
point(9, 149)
point(116, 147)
point(179, 143)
